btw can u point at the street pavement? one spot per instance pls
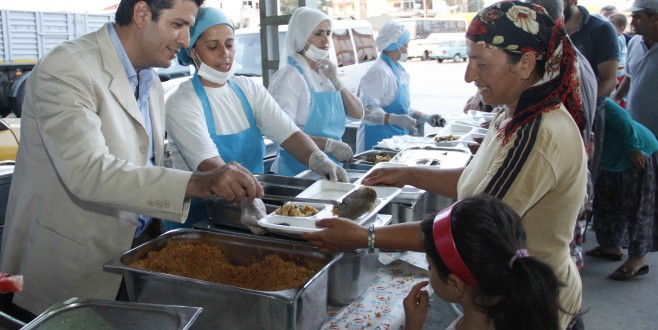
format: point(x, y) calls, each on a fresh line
point(607, 304)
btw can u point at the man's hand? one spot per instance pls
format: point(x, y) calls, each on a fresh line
point(232, 182)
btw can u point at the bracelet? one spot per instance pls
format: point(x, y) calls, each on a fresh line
point(371, 238)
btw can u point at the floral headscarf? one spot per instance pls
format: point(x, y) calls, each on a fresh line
point(518, 27)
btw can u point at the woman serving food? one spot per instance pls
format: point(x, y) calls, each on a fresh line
point(216, 117)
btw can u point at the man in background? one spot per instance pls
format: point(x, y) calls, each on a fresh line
point(639, 84)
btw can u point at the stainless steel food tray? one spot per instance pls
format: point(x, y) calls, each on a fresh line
point(101, 314)
point(228, 307)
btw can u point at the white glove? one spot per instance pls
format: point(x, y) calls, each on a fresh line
point(432, 120)
point(339, 149)
point(405, 122)
point(328, 69)
point(321, 164)
point(251, 213)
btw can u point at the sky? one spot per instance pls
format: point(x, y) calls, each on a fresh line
point(91, 6)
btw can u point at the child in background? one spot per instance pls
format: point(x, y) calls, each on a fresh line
point(477, 258)
point(619, 21)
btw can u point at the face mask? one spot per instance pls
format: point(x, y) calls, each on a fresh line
point(403, 57)
point(315, 53)
point(216, 76)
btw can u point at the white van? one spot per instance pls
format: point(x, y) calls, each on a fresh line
point(352, 42)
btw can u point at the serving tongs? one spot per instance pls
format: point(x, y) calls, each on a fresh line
point(301, 199)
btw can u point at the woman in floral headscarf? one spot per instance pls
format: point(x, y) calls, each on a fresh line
point(532, 157)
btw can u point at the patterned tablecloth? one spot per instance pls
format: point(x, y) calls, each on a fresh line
point(380, 307)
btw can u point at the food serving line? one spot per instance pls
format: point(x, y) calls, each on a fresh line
point(349, 290)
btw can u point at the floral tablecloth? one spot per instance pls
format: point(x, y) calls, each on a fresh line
point(380, 307)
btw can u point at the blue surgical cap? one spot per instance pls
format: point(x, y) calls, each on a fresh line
point(403, 40)
point(206, 17)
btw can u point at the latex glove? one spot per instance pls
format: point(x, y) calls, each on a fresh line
point(404, 121)
point(328, 69)
point(339, 149)
point(251, 213)
point(432, 120)
point(321, 164)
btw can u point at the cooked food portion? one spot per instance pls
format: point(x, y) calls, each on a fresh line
point(356, 203)
point(291, 209)
point(377, 158)
point(445, 138)
point(206, 262)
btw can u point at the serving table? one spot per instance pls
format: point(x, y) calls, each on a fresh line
point(380, 307)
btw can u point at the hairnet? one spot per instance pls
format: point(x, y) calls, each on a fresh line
point(392, 36)
point(302, 23)
point(205, 18)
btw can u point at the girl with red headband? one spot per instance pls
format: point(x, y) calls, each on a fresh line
point(476, 250)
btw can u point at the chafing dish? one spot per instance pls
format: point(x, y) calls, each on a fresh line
point(101, 314)
point(228, 307)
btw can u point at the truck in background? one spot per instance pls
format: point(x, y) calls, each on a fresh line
point(25, 36)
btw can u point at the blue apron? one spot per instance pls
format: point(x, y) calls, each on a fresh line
point(326, 119)
point(400, 106)
point(246, 147)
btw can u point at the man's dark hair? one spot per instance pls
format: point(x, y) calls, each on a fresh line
point(554, 8)
point(124, 13)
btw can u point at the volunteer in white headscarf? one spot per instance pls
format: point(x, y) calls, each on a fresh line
point(307, 88)
point(216, 117)
point(384, 91)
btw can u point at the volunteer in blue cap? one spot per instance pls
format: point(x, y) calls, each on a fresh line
point(308, 89)
point(384, 91)
point(216, 117)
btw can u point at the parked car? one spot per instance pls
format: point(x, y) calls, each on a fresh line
point(449, 46)
point(440, 46)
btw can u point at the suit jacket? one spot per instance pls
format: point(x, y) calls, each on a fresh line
point(80, 178)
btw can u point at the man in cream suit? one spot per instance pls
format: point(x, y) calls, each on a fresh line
point(89, 177)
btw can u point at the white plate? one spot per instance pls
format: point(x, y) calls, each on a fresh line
point(325, 189)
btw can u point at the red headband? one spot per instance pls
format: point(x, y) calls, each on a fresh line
point(445, 245)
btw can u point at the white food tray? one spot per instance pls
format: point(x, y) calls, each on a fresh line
point(463, 134)
point(407, 191)
point(324, 189)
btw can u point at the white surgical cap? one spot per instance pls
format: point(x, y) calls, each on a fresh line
point(392, 36)
point(302, 23)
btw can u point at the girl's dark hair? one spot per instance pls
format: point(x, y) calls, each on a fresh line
point(487, 233)
point(124, 13)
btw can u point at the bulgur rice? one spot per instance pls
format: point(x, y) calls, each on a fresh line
point(207, 262)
